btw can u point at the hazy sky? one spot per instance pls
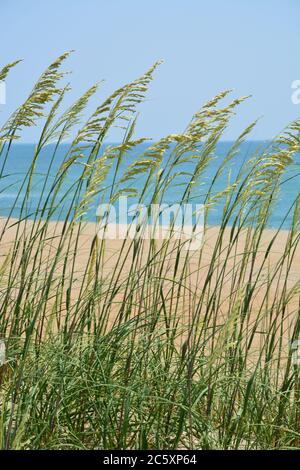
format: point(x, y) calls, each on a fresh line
point(252, 46)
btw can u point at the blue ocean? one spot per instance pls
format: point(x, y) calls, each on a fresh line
point(20, 157)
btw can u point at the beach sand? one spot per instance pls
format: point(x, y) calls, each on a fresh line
point(224, 277)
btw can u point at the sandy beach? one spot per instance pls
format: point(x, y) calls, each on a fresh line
point(192, 270)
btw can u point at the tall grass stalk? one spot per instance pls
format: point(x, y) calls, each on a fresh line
point(152, 345)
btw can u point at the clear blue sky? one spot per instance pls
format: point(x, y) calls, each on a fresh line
point(252, 46)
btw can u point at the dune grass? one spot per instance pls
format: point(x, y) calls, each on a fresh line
point(163, 357)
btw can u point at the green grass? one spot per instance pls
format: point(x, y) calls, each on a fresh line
point(99, 360)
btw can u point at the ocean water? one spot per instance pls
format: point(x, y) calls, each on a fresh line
point(12, 192)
